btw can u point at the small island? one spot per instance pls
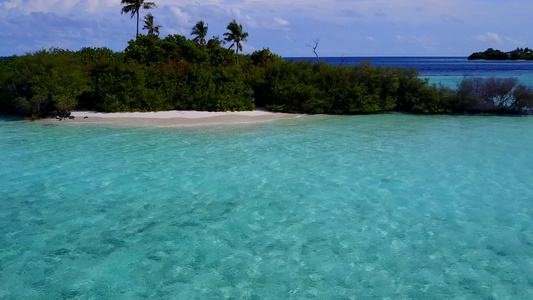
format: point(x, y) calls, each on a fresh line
point(491, 54)
point(175, 73)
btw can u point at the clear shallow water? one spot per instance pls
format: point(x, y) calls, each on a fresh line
point(330, 207)
point(448, 71)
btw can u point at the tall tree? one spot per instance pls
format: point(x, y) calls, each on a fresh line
point(133, 7)
point(149, 25)
point(235, 35)
point(199, 31)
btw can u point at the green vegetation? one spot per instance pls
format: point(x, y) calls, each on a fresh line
point(154, 74)
point(235, 35)
point(35, 84)
point(491, 54)
point(495, 95)
point(133, 7)
point(199, 31)
point(149, 25)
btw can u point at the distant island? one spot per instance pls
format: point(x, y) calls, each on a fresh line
point(491, 54)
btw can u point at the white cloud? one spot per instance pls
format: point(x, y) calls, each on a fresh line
point(489, 37)
point(411, 27)
point(247, 48)
point(450, 19)
point(275, 24)
point(514, 41)
point(426, 41)
point(58, 7)
point(281, 22)
point(399, 38)
point(11, 4)
point(96, 6)
point(182, 18)
point(246, 19)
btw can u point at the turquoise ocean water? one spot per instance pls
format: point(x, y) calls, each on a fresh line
point(327, 207)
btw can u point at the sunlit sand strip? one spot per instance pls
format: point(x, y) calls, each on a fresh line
point(171, 118)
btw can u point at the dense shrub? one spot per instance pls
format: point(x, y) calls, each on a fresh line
point(495, 95)
point(44, 82)
point(151, 50)
point(90, 56)
point(322, 88)
point(133, 87)
point(155, 74)
point(490, 54)
point(7, 71)
point(264, 58)
point(121, 86)
point(523, 97)
point(433, 99)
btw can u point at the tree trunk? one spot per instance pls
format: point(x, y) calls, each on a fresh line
point(137, 35)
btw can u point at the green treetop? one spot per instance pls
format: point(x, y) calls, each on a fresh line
point(133, 7)
point(235, 35)
point(199, 31)
point(149, 25)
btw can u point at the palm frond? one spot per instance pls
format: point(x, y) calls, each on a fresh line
point(200, 32)
point(133, 7)
point(236, 35)
point(130, 9)
point(148, 5)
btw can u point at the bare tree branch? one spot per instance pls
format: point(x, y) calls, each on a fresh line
point(314, 47)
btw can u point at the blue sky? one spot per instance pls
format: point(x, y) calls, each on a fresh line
point(344, 27)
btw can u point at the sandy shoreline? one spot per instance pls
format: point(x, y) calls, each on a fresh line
point(170, 118)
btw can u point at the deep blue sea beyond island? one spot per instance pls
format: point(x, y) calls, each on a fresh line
point(389, 206)
point(448, 71)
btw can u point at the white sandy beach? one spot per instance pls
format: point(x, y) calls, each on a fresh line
point(170, 118)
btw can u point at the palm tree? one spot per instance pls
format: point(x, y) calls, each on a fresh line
point(200, 32)
point(149, 25)
point(133, 7)
point(235, 35)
